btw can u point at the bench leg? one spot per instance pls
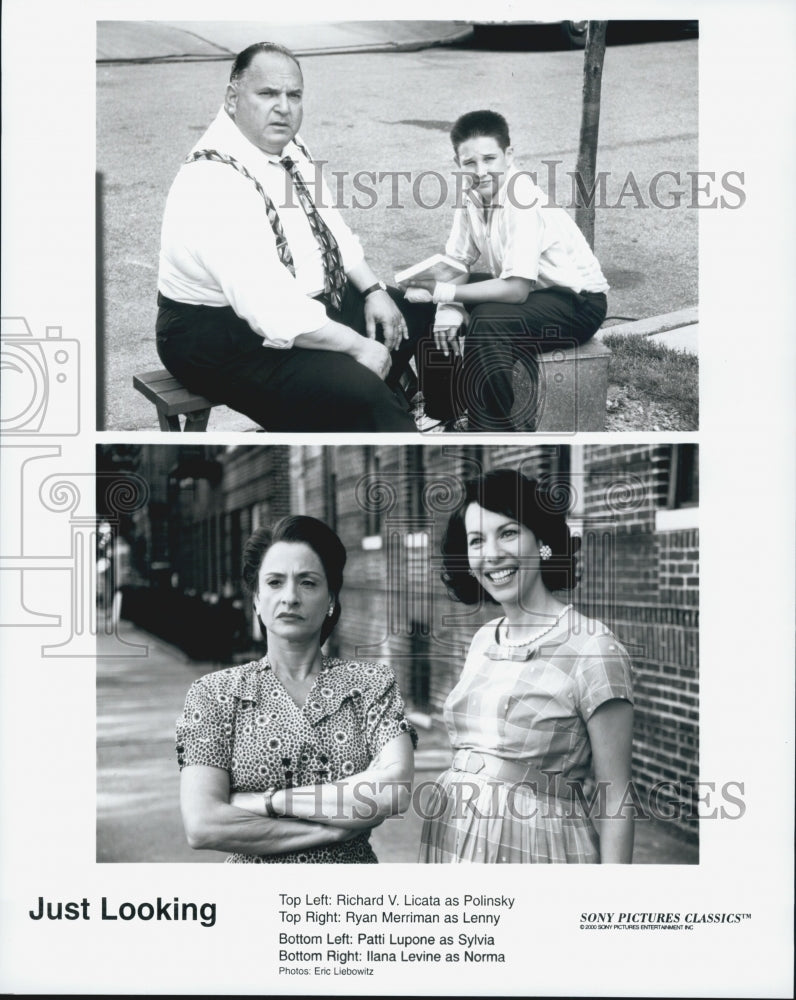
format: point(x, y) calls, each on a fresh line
point(168, 423)
point(197, 421)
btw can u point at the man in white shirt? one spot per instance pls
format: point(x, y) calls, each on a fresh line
point(545, 289)
point(266, 301)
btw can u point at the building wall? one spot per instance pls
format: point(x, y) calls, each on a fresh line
point(655, 611)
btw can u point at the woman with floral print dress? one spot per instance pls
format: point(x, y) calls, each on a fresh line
point(544, 702)
point(295, 757)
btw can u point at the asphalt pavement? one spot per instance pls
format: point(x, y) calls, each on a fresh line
point(141, 688)
point(388, 114)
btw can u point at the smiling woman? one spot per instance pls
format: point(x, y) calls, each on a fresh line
point(544, 702)
point(295, 757)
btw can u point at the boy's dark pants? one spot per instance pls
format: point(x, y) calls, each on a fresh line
point(500, 334)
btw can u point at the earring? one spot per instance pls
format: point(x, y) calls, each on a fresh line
point(330, 612)
point(545, 552)
point(470, 572)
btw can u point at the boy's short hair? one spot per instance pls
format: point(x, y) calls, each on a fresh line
point(480, 123)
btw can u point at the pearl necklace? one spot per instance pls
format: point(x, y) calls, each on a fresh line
point(516, 643)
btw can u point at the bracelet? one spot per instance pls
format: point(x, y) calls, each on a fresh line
point(268, 796)
point(444, 291)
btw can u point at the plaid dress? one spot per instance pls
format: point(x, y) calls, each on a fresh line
point(533, 711)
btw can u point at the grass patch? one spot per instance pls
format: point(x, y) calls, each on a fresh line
point(650, 371)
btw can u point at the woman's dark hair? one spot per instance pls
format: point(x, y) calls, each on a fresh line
point(540, 508)
point(323, 542)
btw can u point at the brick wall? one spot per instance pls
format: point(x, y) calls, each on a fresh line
point(654, 610)
point(642, 582)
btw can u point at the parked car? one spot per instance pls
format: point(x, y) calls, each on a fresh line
point(572, 34)
point(504, 34)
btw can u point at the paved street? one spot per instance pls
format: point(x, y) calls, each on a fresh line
point(387, 113)
point(138, 820)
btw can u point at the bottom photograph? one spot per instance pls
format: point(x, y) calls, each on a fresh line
point(386, 653)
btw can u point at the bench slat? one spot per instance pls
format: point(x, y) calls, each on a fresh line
point(169, 396)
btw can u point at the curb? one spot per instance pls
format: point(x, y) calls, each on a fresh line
point(415, 45)
point(653, 324)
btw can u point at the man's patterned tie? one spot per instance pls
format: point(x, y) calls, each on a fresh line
point(333, 271)
point(282, 248)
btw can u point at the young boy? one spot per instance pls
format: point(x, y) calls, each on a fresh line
point(545, 289)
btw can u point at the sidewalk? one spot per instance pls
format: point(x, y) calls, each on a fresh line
point(167, 41)
point(678, 330)
point(138, 700)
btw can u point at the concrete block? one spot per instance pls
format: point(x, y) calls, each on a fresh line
point(567, 393)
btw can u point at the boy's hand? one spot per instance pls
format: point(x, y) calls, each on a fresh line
point(418, 295)
point(426, 283)
point(448, 341)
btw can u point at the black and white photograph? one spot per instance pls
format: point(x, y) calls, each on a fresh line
point(555, 587)
point(396, 477)
point(505, 241)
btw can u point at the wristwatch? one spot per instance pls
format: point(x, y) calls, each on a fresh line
point(379, 286)
point(268, 804)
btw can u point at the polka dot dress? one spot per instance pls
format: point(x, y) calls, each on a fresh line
point(243, 720)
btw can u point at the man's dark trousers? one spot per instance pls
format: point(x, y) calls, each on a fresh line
point(212, 351)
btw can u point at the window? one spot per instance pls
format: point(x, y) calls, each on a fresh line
point(684, 476)
point(330, 487)
point(682, 501)
point(371, 512)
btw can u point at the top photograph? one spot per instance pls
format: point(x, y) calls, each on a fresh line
point(415, 227)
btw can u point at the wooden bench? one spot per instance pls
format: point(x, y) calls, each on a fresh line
point(172, 400)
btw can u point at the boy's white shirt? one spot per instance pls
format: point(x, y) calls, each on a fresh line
point(523, 236)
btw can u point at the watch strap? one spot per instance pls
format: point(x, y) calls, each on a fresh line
point(268, 803)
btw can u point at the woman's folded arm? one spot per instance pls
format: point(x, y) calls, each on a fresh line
point(355, 803)
point(212, 823)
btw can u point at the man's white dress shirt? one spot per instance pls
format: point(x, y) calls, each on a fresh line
point(218, 247)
